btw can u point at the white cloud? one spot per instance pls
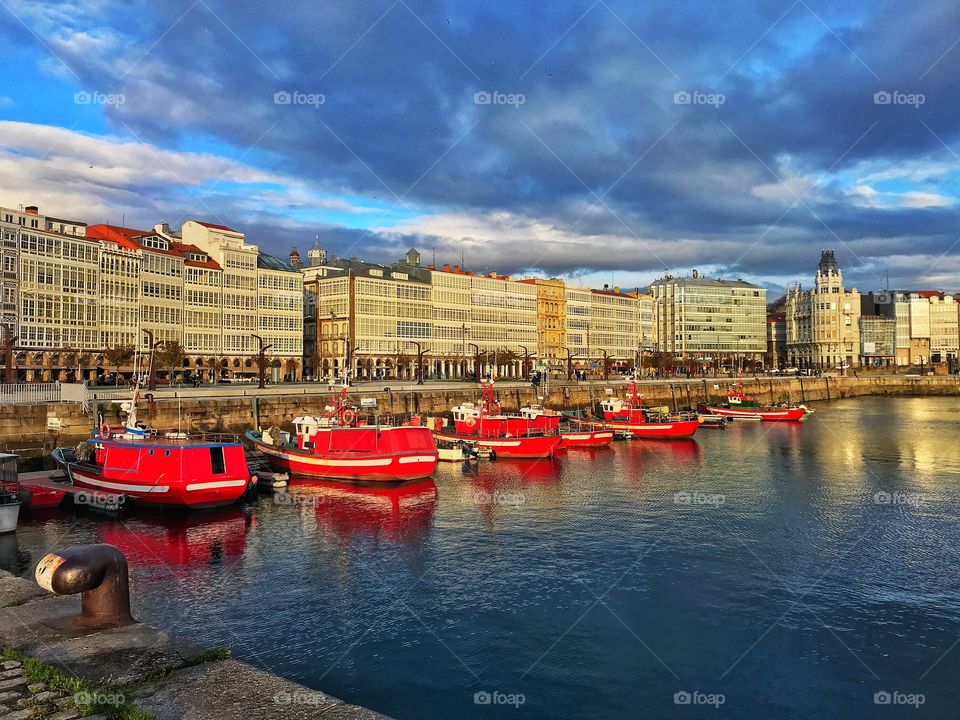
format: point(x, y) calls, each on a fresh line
point(96, 177)
point(866, 196)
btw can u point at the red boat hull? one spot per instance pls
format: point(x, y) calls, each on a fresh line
point(765, 414)
point(586, 439)
point(167, 473)
point(373, 468)
point(193, 495)
point(524, 446)
point(42, 498)
point(671, 430)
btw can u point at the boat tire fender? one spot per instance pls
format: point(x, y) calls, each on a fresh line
point(104, 432)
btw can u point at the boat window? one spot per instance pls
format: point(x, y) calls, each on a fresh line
point(217, 464)
point(151, 451)
point(166, 453)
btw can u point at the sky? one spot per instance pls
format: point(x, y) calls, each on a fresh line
point(600, 141)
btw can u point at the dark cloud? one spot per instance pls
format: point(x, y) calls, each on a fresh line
point(698, 184)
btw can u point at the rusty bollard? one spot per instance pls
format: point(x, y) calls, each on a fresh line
point(99, 572)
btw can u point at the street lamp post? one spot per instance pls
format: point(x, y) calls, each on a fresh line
point(420, 354)
point(570, 357)
point(476, 362)
point(8, 341)
point(463, 350)
point(606, 365)
point(262, 361)
point(151, 370)
point(526, 359)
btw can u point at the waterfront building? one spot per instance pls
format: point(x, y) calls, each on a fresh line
point(551, 322)
point(613, 338)
point(944, 330)
point(14, 222)
point(926, 325)
point(82, 291)
point(504, 322)
point(777, 340)
point(379, 318)
point(579, 302)
point(878, 335)
point(823, 328)
point(646, 313)
point(372, 318)
point(704, 322)
point(452, 322)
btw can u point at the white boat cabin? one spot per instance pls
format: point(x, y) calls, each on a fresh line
point(461, 413)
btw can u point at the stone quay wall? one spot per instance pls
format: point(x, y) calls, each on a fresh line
point(24, 427)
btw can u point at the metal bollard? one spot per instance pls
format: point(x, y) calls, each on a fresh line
point(99, 572)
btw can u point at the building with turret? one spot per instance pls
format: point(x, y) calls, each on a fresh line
point(823, 323)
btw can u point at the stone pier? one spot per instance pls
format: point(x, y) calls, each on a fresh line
point(135, 666)
point(24, 426)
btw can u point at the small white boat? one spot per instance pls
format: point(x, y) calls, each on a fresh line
point(9, 493)
point(456, 451)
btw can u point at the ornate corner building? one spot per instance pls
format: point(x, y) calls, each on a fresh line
point(823, 323)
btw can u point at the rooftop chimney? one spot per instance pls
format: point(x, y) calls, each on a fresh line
point(446, 268)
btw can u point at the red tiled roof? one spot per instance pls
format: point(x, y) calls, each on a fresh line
point(212, 226)
point(126, 237)
point(185, 249)
point(929, 293)
point(114, 233)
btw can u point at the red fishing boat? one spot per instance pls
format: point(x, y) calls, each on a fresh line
point(631, 416)
point(341, 446)
point(739, 405)
point(586, 438)
point(510, 436)
point(176, 471)
point(582, 436)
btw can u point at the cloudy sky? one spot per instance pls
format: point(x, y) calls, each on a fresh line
point(602, 141)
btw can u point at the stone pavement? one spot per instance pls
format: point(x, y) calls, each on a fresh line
point(158, 673)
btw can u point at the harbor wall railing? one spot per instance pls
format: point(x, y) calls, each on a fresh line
point(44, 424)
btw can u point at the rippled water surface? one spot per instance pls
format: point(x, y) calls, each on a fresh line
point(796, 569)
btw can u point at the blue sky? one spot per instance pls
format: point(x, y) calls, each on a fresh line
point(603, 141)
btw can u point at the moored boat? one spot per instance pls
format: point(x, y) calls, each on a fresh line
point(9, 493)
point(741, 406)
point(586, 438)
point(127, 462)
point(630, 415)
point(508, 436)
point(338, 446)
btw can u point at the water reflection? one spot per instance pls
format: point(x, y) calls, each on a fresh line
point(178, 541)
point(401, 513)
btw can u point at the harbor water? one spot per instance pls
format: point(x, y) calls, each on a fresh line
point(795, 570)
